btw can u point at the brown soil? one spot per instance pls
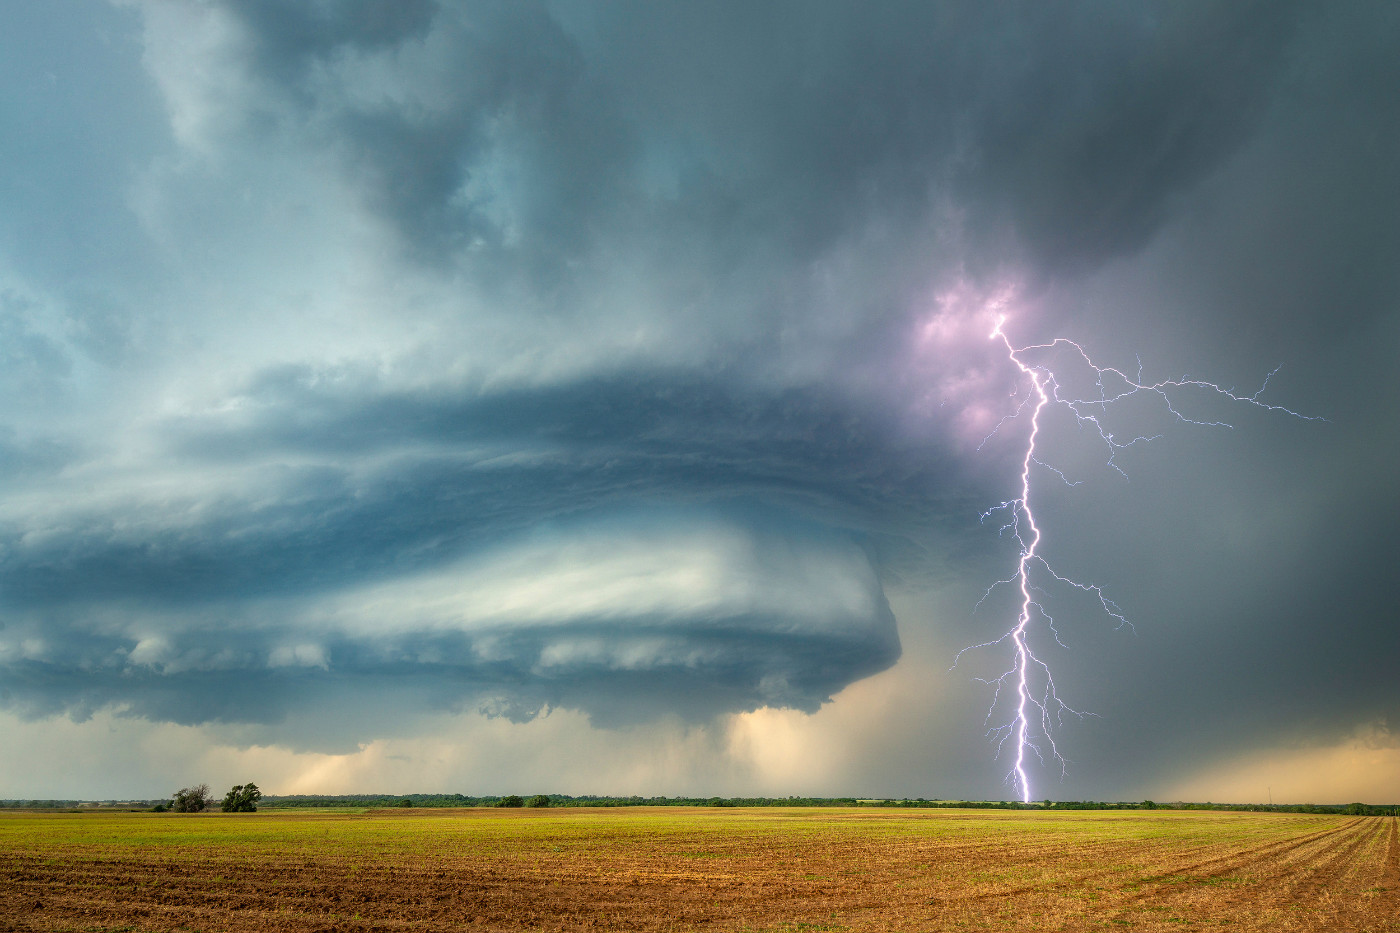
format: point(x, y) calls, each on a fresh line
point(698, 870)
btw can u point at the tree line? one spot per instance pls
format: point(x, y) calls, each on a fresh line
point(246, 798)
point(590, 800)
point(241, 798)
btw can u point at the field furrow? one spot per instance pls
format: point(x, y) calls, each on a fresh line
point(756, 871)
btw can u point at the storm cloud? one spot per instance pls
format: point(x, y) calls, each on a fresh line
point(430, 358)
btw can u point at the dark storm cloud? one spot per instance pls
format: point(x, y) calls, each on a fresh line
point(23, 458)
point(1066, 126)
point(800, 473)
point(652, 668)
point(463, 472)
point(1286, 255)
point(290, 37)
point(1115, 108)
point(476, 87)
point(456, 308)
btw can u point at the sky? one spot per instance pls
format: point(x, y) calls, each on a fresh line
point(411, 396)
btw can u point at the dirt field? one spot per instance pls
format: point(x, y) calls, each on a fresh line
point(680, 869)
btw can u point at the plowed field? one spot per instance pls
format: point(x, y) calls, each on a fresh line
point(676, 869)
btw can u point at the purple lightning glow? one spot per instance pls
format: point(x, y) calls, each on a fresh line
point(1038, 709)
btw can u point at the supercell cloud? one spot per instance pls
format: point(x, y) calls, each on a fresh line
point(630, 359)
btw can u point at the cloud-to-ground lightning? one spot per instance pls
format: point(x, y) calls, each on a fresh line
point(1038, 708)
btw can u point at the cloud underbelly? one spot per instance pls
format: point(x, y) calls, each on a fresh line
point(628, 616)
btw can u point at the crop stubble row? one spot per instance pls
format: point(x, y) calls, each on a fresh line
point(661, 870)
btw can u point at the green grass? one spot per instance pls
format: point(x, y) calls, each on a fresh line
point(697, 834)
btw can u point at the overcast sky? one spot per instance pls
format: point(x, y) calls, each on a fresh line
point(410, 396)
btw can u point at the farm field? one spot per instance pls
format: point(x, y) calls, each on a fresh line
point(679, 869)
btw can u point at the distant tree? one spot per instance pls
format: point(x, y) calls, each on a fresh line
point(405, 802)
point(1147, 805)
point(510, 801)
point(539, 800)
point(192, 799)
point(159, 808)
point(242, 798)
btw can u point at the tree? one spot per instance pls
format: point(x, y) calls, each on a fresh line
point(192, 799)
point(510, 800)
point(539, 800)
point(242, 798)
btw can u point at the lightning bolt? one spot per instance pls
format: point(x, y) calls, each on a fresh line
point(1038, 708)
